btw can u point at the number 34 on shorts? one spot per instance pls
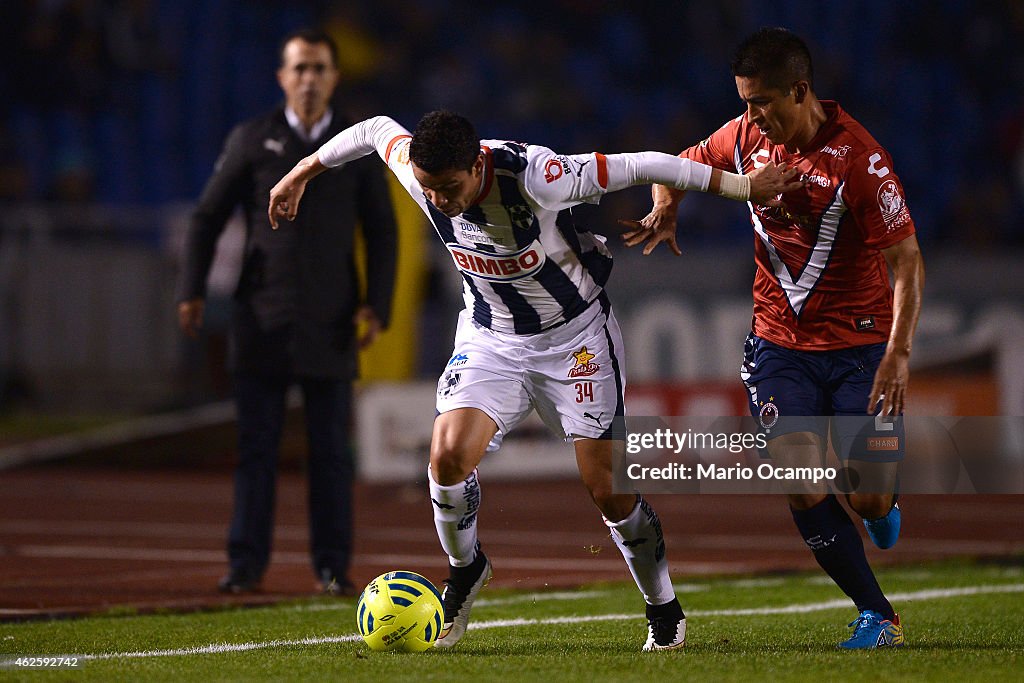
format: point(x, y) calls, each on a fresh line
point(570, 375)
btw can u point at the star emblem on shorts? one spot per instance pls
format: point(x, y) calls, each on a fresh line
point(582, 356)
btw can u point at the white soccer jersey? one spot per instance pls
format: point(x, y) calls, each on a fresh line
point(526, 267)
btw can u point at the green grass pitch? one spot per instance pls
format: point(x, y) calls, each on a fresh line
point(963, 621)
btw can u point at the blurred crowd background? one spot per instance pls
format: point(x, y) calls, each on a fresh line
point(115, 110)
point(128, 101)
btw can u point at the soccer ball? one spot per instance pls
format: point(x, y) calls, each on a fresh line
point(399, 611)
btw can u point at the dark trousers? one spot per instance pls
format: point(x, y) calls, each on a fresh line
point(261, 414)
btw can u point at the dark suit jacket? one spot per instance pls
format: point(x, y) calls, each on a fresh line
point(298, 290)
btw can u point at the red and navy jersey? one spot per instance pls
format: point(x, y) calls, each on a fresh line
point(821, 281)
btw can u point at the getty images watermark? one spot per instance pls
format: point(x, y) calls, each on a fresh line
point(733, 442)
point(848, 454)
point(665, 439)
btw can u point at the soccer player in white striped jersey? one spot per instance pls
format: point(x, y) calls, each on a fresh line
point(538, 331)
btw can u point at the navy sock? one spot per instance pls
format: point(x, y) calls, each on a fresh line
point(835, 542)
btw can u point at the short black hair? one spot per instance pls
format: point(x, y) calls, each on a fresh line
point(444, 141)
point(313, 36)
point(775, 55)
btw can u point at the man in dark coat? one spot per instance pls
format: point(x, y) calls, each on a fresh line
point(297, 308)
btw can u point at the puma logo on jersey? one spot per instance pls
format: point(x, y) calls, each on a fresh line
point(595, 419)
point(275, 146)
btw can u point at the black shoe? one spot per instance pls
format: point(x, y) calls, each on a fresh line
point(666, 627)
point(460, 590)
point(237, 582)
point(332, 583)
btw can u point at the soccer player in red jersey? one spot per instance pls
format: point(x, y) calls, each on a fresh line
point(830, 336)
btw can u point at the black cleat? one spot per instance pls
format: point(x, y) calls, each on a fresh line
point(666, 627)
point(460, 590)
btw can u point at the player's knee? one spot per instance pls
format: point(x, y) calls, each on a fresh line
point(449, 464)
point(871, 506)
point(600, 493)
point(614, 506)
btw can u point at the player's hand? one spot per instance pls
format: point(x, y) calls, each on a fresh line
point(772, 180)
point(656, 227)
point(190, 316)
point(371, 324)
point(285, 198)
point(890, 385)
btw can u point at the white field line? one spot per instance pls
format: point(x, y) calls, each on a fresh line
point(553, 596)
point(220, 648)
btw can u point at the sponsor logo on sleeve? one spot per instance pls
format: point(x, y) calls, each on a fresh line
point(555, 167)
point(873, 168)
point(552, 170)
point(892, 205)
point(498, 267)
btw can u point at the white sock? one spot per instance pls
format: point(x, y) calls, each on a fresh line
point(455, 509)
point(639, 539)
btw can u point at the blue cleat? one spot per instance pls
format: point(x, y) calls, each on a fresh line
point(884, 531)
point(872, 631)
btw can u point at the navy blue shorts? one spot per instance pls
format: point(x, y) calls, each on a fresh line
point(821, 391)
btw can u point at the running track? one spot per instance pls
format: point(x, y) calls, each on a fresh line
point(79, 539)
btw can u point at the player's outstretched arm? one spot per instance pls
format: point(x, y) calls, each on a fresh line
point(657, 226)
point(379, 134)
point(893, 372)
point(761, 186)
point(286, 195)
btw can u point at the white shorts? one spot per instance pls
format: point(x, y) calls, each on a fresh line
point(573, 375)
